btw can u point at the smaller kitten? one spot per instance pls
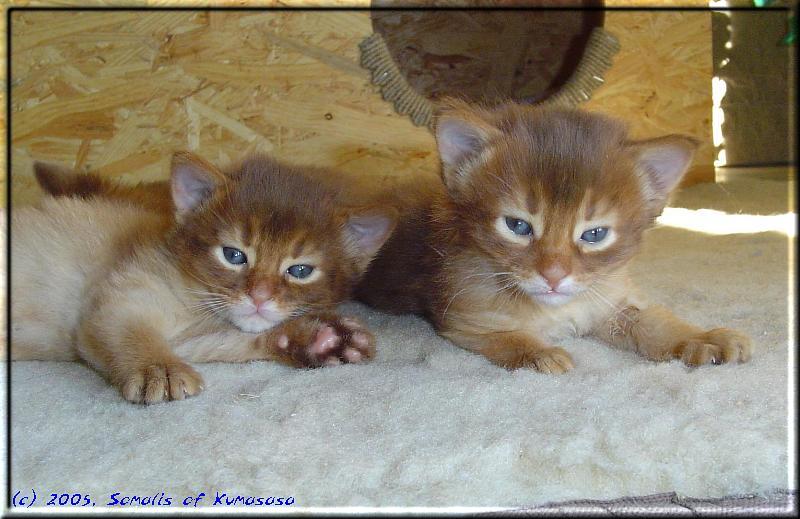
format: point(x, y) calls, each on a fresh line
point(249, 266)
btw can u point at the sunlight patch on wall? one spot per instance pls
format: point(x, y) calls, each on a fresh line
point(718, 90)
point(710, 221)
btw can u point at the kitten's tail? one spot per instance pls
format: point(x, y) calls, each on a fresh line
point(57, 180)
point(60, 181)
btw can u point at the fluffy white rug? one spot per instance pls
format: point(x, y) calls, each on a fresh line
point(429, 424)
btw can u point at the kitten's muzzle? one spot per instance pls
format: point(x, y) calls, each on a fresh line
point(553, 275)
point(261, 298)
point(268, 309)
point(260, 294)
point(254, 319)
point(551, 291)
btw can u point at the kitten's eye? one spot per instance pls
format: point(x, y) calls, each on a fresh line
point(595, 235)
point(300, 271)
point(518, 226)
point(234, 256)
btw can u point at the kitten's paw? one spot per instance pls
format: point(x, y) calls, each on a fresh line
point(546, 359)
point(717, 346)
point(552, 360)
point(327, 341)
point(161, 382)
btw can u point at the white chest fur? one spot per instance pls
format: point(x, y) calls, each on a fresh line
point(577, 316)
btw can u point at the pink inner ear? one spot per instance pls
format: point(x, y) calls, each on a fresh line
point(369, 231)
point(190, 186)
point(458, 140)
point(666, 164)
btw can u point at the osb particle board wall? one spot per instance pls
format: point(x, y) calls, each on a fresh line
point(119, 91)
point(661, 78)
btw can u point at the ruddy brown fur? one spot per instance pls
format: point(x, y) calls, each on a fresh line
point(137, 290)
point(454, 260)
point(510, 297)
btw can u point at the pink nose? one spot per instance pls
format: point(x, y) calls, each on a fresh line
point(553, 275)
point(260, 294)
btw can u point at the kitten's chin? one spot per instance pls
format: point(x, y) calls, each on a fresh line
point(542, 294)
point(253, 323)
point(551, 298)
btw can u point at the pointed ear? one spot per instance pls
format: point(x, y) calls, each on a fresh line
point(661, 163)
point(366, 230)
point(462, 133)
point(192, 181)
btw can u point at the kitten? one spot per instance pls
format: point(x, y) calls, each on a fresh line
point(248, 267)
point(527, 240)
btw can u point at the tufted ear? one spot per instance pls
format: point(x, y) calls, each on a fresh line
point(192, 181)
point(366, 230)
point(462, 133)
point(660, 164)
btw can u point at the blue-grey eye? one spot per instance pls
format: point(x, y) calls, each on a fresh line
point(518, 226)
point(234, 256)
point(300, 271)
point(595, 235)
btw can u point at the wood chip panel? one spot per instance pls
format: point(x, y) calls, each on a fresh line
point(119, 91)
point(661, 78)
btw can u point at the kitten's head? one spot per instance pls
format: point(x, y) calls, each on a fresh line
point(555, 198)
point(263, 241)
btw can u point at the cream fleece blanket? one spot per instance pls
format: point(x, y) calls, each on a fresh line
point(430, 425)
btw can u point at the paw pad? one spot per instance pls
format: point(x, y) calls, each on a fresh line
point(327, 340)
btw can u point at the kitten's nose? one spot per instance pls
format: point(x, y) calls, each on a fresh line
point(260, 294)
point(553, 274)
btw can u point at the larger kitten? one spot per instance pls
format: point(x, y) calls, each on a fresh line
point(527, 239)
point(249, 267)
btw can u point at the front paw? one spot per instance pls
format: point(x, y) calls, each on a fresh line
point(330, 340)
point(161, 382)
point(552, 360)
point(545, 359)
point(717, 346)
